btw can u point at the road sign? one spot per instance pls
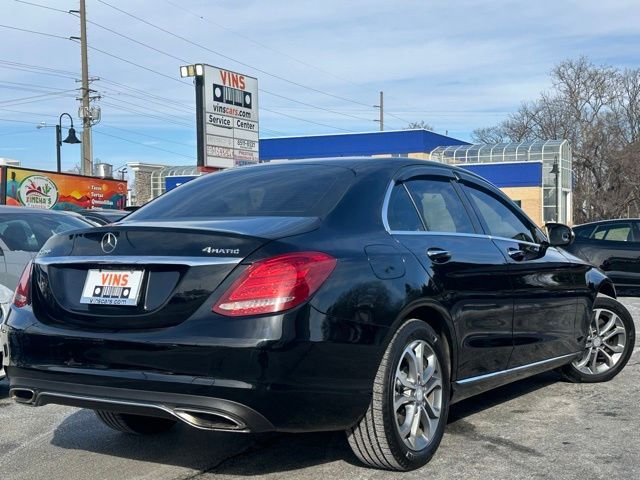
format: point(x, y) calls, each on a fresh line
point(229, 106)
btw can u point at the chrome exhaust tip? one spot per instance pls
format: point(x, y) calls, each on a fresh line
point(208, 420)
point(25, 396)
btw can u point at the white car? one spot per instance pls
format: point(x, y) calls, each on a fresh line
point(23, 231)
point(6, 295)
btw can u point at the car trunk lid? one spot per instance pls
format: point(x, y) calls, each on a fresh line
point(182, 263)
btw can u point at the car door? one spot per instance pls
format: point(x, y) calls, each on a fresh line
point(427, 214)
point(546, 284)
point(615, 248)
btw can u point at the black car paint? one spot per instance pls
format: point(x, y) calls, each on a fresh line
point(312, 367)
point(619, 260)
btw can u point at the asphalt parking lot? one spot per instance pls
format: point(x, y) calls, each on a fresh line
point(541, 427)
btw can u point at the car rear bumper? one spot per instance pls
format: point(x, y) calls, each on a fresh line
point(36, 388)
point(295, 384)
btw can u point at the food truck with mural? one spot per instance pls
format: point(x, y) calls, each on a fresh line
point(59, 191)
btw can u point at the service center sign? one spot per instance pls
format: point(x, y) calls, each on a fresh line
point(231, 118)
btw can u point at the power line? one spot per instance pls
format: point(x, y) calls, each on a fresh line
point(308, 121)
point(184, 39)
point(42, 6)
point(67, 74)
point(103, 125)
point(16, 121)
point(138, 65)
point(144, 107)
point(19, 101)
point(100, 132)
point(148, 115)
point(173, 78)
point(34, 32)
point(212, 51)
point(266, 47)
point(187, 61)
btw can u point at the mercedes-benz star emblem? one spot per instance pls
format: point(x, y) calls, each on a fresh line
point(108, 242)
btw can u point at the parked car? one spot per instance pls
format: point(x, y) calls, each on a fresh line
point(103, 216)
point(614, 247)
point(357, 294)
point(6, 296)
point(23, 231)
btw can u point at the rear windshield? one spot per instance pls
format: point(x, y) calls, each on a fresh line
point(274, 190)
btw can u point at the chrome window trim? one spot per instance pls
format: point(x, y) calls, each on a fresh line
point(138, 260)
point(385, 205)
point(508, 371)
point(385, 222)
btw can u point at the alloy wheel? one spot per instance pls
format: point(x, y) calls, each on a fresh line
point(417, 396)
point(605, 343)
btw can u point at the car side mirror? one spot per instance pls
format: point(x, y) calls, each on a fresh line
point(560, 235)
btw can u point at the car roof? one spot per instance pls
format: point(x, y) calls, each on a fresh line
point(364, 163)
point(29, 210)
point(608, 221)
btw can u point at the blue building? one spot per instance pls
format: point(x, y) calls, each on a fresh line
point(536, 175)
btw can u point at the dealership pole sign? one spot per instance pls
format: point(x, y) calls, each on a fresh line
point(227, 116)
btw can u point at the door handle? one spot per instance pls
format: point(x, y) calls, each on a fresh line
point(516, 254)
point(438, 255)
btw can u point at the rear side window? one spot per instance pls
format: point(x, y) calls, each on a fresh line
point(501, 219)
point(615, 232)
point(28, 232)
point(440, 206)
point(401, 214)
point(583, 232)
point(274, 190)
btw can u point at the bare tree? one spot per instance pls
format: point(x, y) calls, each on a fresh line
point(596, 108)
point(419, 125)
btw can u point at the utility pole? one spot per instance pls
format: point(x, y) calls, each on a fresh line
point(380, 120)
point(86, 165)
point(381, 106)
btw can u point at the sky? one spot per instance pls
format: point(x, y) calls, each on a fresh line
point(457, 65)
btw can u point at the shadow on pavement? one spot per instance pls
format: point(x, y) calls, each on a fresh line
point(249, 454)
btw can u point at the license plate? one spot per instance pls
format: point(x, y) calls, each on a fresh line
point(112, 287)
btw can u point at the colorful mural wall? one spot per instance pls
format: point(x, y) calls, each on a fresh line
point(60, 191)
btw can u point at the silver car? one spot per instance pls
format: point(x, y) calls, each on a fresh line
point(23, 231)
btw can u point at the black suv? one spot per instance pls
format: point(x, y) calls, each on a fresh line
point(357, 294)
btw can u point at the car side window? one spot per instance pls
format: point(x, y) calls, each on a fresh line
point(583, 232)
point(401, 213)
point(614, 232)
point(500, 218)
point(440, 206)
point(18, 235)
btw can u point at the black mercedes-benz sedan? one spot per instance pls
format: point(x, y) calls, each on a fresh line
point(614, 247)
point(363, 295)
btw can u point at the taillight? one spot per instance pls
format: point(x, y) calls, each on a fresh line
point(276, 284)
point(22, 295)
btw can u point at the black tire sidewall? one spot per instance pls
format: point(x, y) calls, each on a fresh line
point(414, 330)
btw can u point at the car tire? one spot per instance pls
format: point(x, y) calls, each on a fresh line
point(612, 337)
point(134, 424)
point(378, 439)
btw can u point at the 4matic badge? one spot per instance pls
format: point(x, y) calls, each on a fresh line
point(221, 251)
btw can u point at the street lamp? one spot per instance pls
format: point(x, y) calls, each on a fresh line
point(71, 138)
